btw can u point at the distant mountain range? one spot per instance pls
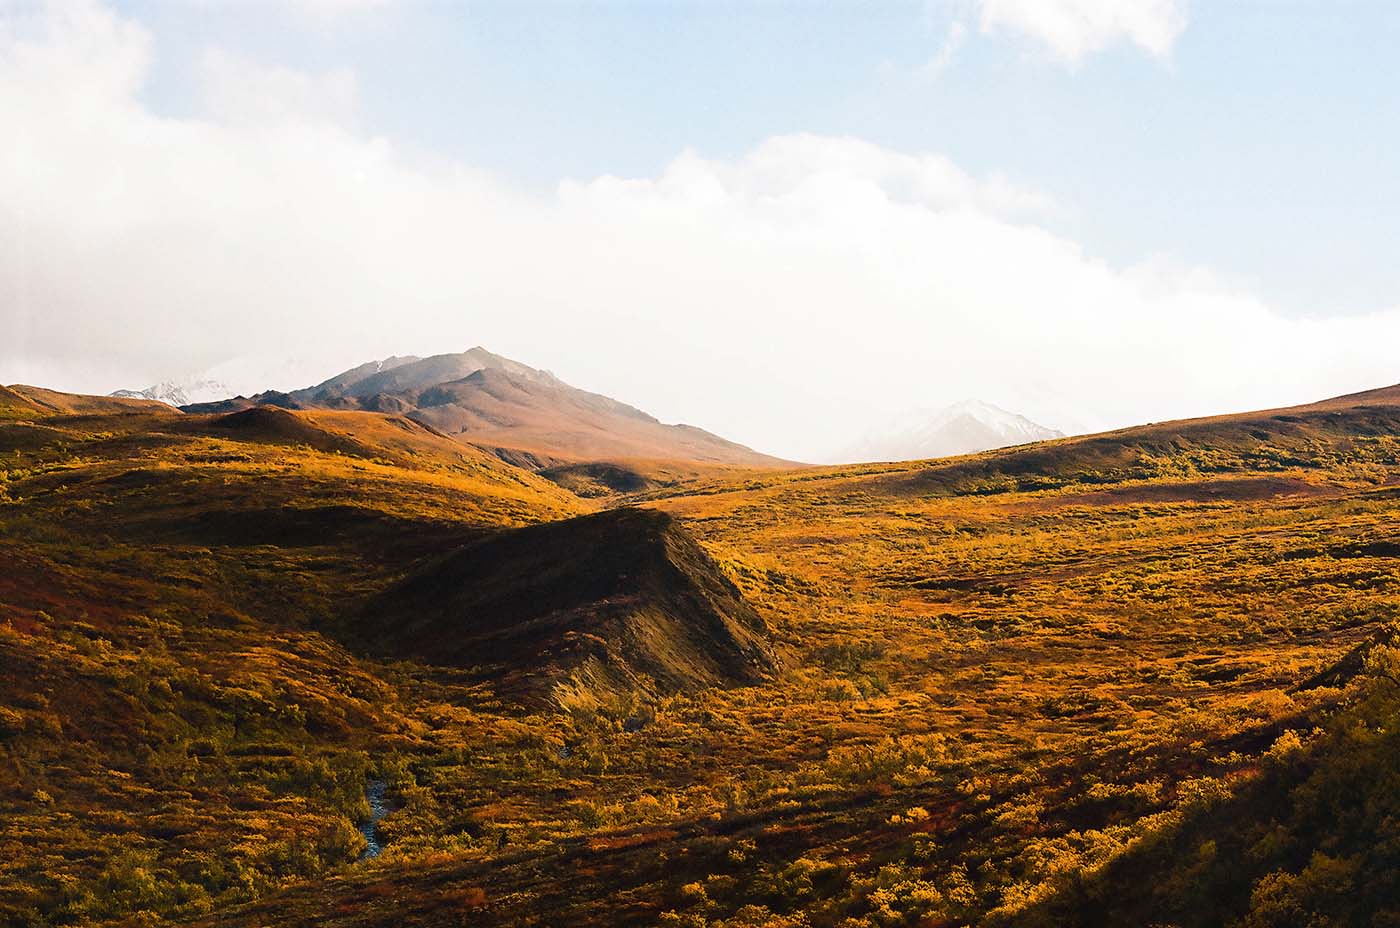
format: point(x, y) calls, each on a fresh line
point(530, 417)
point(526, 415)
point(246, 374)
point(962, 428)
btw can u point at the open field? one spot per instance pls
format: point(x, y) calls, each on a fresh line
point(1142, 678)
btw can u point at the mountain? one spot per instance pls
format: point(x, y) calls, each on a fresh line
point(409, 374)
point(242, 375)
point(529, 416)
point(179, 393)
point(358, 375)
point(962, 428)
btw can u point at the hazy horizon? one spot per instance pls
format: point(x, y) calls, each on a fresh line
point(783, 226)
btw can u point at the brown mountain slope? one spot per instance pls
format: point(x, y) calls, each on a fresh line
point(340, 382)
point(366, 434)
point(500, 408)
point(529, 416)
point(53, 403)
point(581, 610)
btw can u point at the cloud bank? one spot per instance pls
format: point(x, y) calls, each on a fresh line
point(783, 298)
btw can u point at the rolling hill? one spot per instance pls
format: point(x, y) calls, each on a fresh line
point(40, 402)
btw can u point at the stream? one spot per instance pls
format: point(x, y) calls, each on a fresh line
point(378, 808)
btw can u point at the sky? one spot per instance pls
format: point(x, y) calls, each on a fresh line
point(783, 222)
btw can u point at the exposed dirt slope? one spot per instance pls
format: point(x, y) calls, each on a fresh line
point(588, 607)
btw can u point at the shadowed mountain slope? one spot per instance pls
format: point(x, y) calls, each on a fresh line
point(360, 433)
point(602, 604)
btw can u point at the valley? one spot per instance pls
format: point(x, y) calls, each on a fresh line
point(699, 465)
point(1147, 675)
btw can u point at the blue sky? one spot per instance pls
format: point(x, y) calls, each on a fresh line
point(782, 222)
point(1263, 146)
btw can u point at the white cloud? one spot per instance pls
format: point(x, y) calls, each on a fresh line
point(1072, 29)
point(781, 298)
point(942, 59)
point(239, 92)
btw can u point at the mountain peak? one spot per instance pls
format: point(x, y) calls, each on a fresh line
point(179, 392)
point(483, 398)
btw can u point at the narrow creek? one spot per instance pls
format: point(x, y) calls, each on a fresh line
point(378, 808)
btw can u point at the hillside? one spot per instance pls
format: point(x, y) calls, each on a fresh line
point(583, 610)
point(162, 578)
point(13, 405)
point(53, 403)
point(529, 415)
point(1101, 680)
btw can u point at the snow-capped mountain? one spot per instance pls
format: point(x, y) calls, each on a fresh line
point(181, 392)
point(962, 428)
point(241, 376)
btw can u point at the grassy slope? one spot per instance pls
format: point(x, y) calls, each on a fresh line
point(15, 406)
point(176, 733)
point(53, 403)
point(989, 688)
point(1006, 680)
